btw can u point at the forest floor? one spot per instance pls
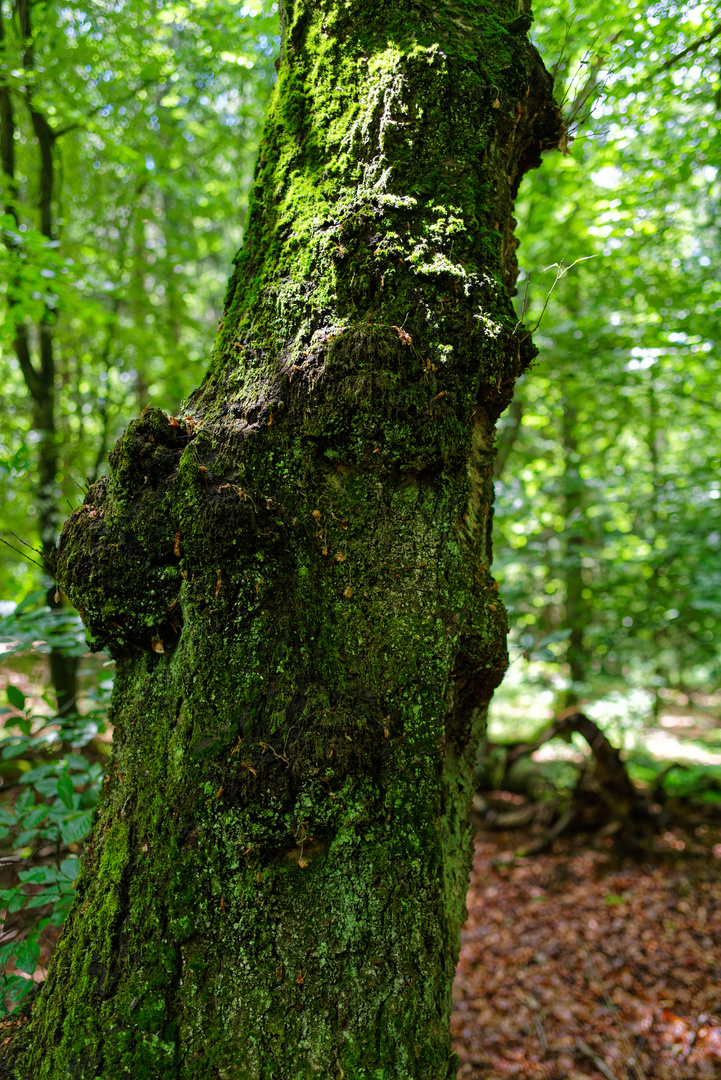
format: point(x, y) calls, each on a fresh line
point(579, 965)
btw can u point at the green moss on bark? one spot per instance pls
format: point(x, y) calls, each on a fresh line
point(293, 577)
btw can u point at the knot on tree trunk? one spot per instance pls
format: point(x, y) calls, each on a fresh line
point(117, 557)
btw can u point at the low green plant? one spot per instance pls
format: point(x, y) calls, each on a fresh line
point(33, 627)
point(42, 826)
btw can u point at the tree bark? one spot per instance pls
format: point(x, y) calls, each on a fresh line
point(293, 577)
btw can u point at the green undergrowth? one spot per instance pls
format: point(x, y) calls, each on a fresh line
point(51, 776)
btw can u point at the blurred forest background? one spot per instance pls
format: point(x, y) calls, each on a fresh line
point(128, 134)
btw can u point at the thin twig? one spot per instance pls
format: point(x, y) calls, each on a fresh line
point(281, 757)
point(560, 271)
point(541, 1033)
point(584, 1049)
point(583, 62)
point(22, 554)
point(692, 48)
point(25, 543)
point(562, 53)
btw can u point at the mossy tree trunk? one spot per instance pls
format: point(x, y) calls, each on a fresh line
point(294, 579)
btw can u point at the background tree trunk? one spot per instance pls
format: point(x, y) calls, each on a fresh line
point(577, 608)
point(39, 374)
point(293, 577)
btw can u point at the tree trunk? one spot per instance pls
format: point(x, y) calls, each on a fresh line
point(293, 577)
point(39, 375)
point(577, 610)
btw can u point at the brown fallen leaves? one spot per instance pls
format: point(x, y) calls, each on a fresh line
point(573, 966)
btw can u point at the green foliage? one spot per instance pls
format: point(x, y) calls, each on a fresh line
point(27, 627)
point(51, 787)
point(608, 514)
point(156, 111)
point(56, 893)
point(53, 810)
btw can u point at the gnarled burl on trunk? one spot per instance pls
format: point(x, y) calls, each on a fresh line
point(293, 577)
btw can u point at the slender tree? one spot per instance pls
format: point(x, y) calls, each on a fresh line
point(39, 370)
point(577, 610)
point(294, 579)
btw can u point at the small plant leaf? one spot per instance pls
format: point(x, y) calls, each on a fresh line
point(26, 958)
point(66, 790)
point(16, 697)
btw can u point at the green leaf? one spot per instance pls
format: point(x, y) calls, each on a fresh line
point(34, 817)
point(14, 747)
point(15, 900)
point(38, 773)
point(69, 868)
point(47, 896)
point(16, 697)
point(48, 787)
point(26, 958)
point(16, 988)
point(66, 790)
point(77, 827)
point(29, 601)
point(24, 802)
point(7, 951)
point(26, 838)
point(77, 762)
point(39, 875)
point(556, 636)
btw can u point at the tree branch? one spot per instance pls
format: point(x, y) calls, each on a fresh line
point(78, 124)
point(692, 48)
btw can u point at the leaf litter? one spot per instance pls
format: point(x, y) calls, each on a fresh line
point(578, 965)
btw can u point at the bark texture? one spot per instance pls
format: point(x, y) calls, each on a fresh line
point(294, 579)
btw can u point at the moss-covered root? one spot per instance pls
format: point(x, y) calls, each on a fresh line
point(293, 577)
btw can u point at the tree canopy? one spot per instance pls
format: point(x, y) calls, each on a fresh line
point(608, 497)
